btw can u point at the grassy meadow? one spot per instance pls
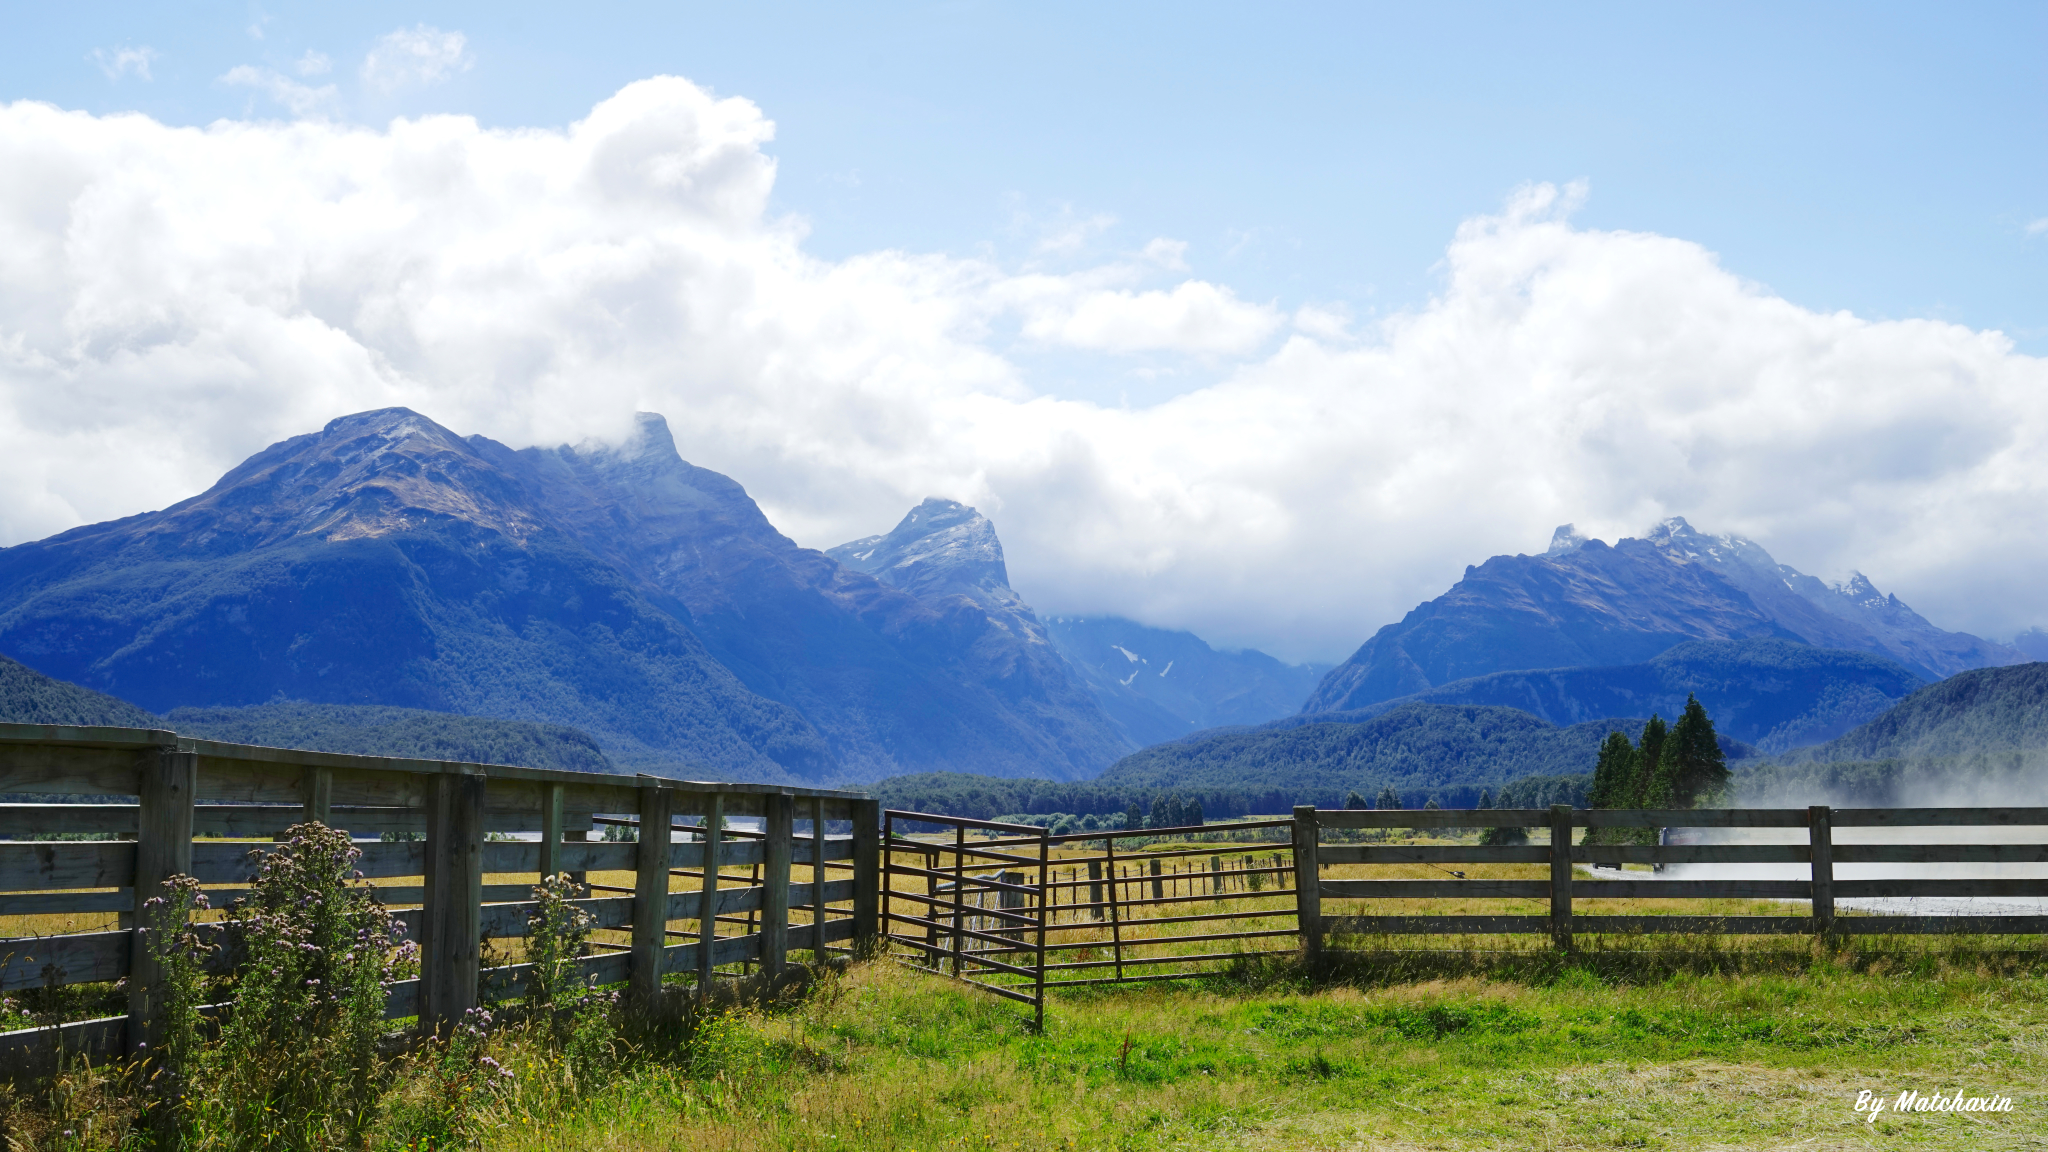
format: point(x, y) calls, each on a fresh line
point(1652, 1042)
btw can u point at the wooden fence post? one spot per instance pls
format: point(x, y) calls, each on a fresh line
point(163, 848)
point(316, 787)
point(1561, 875)
point(779, 812)
point(1821, 841)
point(1158, 891)
point(867, 877)
point(707, 906)
point(818, 902)
point(550, 830)
point(1308, 901)
point(1095, 889)
point(650, 896)
point(452, 916)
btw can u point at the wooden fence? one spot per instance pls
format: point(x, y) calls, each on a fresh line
point(1819, 854)
point(1016, 910)
point(437, 828)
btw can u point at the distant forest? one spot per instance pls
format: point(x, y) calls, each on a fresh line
point(988, 797)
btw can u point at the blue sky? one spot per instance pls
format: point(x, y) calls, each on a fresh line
point(1887, 159)
point(1262, 321)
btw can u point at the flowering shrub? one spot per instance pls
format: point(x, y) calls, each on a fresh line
point(579, 1018)
point(297, 1060)
point(178, 949)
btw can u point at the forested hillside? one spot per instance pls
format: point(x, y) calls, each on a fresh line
point(374, 730)
point(29, 697)
point(1416, 748)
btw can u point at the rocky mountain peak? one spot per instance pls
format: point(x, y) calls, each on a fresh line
point(1565, 541)
point(940, 546)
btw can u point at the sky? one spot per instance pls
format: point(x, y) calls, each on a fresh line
point(1262, 321)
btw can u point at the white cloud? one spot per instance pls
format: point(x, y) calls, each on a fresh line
point(314, 64)
point(2038, 227)
point(302, 99)
point(176, 298)
point(1195, 316)
point(419, 55)
point(126, 61)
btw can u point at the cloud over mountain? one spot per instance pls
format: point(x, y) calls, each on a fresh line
point(175, 298)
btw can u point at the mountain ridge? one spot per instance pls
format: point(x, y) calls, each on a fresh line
point(1586, 604)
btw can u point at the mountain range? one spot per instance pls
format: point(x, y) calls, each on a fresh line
point(1159, 684)
point(1774, 694)
point(1584, 603)
point(611, 588)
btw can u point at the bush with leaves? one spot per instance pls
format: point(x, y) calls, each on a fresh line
point(297, 1061)
point(179, 951)
point(578, 1018)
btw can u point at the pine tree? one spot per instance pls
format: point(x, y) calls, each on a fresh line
point(1162, 812)
point(1485, 798)
point(1643, 765)
point(1353, 801)
point(1388, 800)
point(1613, 784)
point(1134, 817)
point(1690, 765)
point(1191, 813)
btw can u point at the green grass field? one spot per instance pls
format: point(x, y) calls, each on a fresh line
point(887, 1058)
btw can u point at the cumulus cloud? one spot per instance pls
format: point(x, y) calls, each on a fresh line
point(314, 64)
point(419, 55)
point(176, 298)
point(119, 62)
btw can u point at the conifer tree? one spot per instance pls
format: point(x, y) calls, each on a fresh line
point(1354, 801)
point(1134, 817)
point(1643, 765)
point(1613, 782)
point(1191, 812)
point(1388, 799)
point(1162, 811)
point(1690, 765)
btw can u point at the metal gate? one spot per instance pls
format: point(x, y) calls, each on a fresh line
point(975, 912)
point(982, 910)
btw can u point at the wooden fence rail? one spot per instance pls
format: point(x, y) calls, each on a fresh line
point(436, 824)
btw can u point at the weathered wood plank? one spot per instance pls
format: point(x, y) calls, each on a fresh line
point(83, 736)
point(867, 875)
point(82, 771)
point(1429, 854)
point(1942, 925)
point(508, 920)
point(1433, 925)
point(1941, 853)
point(1691, 818)
point(163, 848)
point(232, 863)
point(1690, 853)
point(779, 825)
point(66, 903)
point(1436, 889)
point(451, 934)
point(1866, 889)
point(804, 935)
point(687, 905)
point(73, 958)
point(33, 865)
point(598, 856)
point(1693, 889)
point(650, 895)
point(1940, 817)
point(30, 821)
point(1433, 818)
point(726, 950)
point(732, 853)
point(1695, 925)
point(35, 1054)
